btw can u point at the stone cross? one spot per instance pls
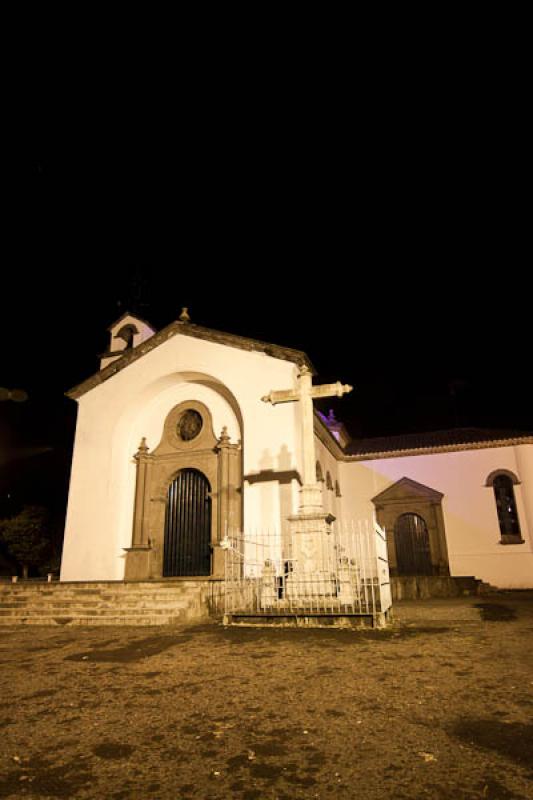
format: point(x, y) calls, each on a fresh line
point(305, 393)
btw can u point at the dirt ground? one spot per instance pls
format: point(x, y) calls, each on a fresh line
point(427, 709)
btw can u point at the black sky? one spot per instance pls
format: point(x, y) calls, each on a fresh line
point(379, 227)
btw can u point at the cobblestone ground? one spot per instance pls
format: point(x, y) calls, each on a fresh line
point(424, 710)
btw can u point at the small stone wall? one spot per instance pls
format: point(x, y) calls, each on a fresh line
point(423, 587)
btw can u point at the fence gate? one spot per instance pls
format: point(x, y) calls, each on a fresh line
point(266, 575)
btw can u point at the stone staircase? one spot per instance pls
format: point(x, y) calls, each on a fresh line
point(109, 603)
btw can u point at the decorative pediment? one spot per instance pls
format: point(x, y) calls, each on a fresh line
point(146, 340)
point(406, 489)
point(188, 427)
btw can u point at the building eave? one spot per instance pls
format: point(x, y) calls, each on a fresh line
point(197, 332)
point(448, 448)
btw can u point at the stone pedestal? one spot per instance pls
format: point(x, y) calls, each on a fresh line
point(348, 582)
point(218, 561)
point(138, 563)
point(313, 555)
point(269, 586)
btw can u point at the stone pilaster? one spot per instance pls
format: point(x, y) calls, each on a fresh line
point(229, 505)
point(138, 556)
point(269, 590)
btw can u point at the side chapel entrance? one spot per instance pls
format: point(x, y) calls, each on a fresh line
point(188, 494)
point(411, 514)
point(411, 541)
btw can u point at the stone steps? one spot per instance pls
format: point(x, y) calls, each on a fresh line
point(157, 603)
point(121, 619)
point(95, 604)
point(85, 599)
point(17, 590)
point(100, 610)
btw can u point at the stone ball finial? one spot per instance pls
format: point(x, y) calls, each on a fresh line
point(184, 316)
point(143, 447)
point(224, 436)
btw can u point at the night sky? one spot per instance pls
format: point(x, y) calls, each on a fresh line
point(387, 240)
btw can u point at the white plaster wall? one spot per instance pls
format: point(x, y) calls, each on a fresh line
point(329, 463)
point(470, 518)
point(114, 416)
point(524, 463)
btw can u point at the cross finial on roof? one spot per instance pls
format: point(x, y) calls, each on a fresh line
point(184, 316)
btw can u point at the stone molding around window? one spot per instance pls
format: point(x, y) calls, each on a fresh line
point(497, 472)
point(506, 538)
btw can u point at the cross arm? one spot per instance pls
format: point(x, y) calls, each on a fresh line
point(284, 396)
point(331, 390)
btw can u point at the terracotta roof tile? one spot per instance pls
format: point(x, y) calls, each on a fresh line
point(431, 440)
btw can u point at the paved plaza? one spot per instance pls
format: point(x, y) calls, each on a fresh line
point(438, 706)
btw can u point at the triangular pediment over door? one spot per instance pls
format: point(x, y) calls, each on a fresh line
point(404, 509)
point(405, 489)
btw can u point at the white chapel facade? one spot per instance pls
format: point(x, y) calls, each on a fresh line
point(175, 447)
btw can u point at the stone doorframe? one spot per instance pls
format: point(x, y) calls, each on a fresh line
point(409, 497)
point(186, 443)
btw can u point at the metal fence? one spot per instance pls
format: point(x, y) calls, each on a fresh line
point(268, 572)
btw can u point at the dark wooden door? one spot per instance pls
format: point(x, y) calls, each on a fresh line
point(411, 538)
point(187, 549)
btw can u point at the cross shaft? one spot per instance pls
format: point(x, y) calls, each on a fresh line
point(305, 393)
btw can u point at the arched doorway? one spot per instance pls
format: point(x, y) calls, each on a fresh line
point(399, 505)
point(411, 540)
point(187, 541)
point(171, 535)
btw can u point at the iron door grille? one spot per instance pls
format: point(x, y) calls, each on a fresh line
point(187, 546)
point(411, 538)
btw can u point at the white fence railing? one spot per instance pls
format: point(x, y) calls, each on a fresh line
point(347, 572)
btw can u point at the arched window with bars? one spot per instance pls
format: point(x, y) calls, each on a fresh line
point(503, 483)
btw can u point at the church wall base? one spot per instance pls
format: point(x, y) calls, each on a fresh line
point(425, 587)
point(309, 620)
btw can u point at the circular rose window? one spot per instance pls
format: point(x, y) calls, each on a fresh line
point(189, 425)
